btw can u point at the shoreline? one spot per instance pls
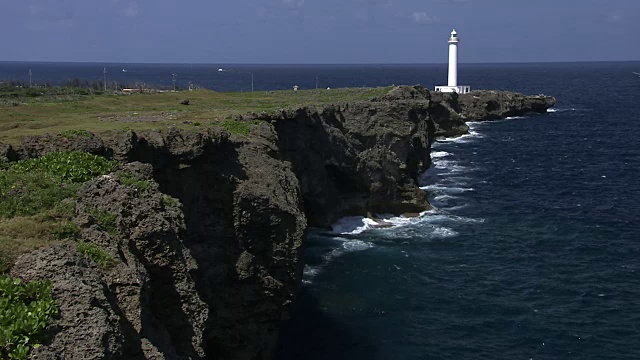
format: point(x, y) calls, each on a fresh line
point(224, 258)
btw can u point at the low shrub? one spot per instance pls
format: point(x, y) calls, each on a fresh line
point(242, 128)
point(65, 230)
point(169, 201)
point(67, 166)
point(106, 220)
point(31, 186)
point(95, 253)
point(75, 133)
point(25, 310)
point(134, 180)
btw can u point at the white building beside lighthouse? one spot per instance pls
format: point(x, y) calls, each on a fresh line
point(452, 85)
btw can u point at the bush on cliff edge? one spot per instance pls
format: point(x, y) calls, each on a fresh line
point(25, 310)
point(37, 199)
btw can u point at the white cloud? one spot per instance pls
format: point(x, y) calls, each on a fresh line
point(44, 17)
point(293, 4)
point(35, 10)
point(262, 12)
point(375, 3)
point(362, 15)
point(130, 10)
point(421, 17)
point(615, 17)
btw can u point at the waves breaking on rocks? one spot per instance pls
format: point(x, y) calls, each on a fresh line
point(446, 182)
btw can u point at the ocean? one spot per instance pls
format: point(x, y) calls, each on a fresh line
point(532, 250)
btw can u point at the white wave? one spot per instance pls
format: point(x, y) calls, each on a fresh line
point(453, 180)
point(554, 110)
point(452, 166)
point(443, 232)
point(464, 138)
point(347, 246)
point(397, 221)
point(353, 245)
point(444, 198)
point(446, 189)
point(309, 272)
point(514, 117)
point(352, 225)
point(444, 164)
point(439, 154)
point(443, 217)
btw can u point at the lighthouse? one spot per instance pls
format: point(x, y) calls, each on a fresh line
point(452, 84)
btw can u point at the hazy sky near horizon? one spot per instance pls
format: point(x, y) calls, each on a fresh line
point(318, 31)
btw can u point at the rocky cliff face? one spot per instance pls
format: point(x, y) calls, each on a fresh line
point(208, 256)
point(482, 105)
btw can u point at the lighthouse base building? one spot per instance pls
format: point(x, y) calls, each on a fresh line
point(452, 85)
point(457, 89)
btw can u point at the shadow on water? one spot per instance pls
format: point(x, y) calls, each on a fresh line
point(311, 334)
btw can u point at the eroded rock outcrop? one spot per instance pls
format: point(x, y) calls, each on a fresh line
point(450, 111)
point(208, 253)
point(481, 105)
point(360, 158)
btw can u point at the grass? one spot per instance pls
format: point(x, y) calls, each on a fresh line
point(106, 220)
point(133, 180)
point(169, 201)
point(75, 133)
point(104, 114)
point(241, 128)
point(32, 191)
point(96, 254)
point(37, 200)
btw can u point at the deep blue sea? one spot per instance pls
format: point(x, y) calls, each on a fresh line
point(532, 251)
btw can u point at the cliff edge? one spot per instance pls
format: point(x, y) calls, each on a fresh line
point(207, 239)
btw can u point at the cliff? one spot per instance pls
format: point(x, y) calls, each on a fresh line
point(208, 252)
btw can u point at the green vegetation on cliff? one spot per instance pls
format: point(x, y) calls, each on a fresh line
point(68, 115)
point(25, 310)
point(96, 254)
point(37, 200)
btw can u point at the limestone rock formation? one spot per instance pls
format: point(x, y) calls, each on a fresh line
point(208, 252)
point(483, 105)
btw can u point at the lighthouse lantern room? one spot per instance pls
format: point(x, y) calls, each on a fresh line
point(452, 85)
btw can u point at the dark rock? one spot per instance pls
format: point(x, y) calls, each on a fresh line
point(403, 93)
point(151, 280)
point(245, 224)
point(89, 325)
point(482, 105)
point(184, 102)
point(446, 114)
point(209, 254)
point(36, 146)
point(358, 158)
point(8, 154)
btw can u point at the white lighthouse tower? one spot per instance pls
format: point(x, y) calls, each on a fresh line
point(452, 85)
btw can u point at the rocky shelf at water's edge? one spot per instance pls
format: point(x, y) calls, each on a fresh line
point(208, 258)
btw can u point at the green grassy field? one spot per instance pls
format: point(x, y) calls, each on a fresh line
point(37, 196)
point(28, 112)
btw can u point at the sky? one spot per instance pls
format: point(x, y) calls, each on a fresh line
point(318, 31)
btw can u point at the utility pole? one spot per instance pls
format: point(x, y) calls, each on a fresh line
point(30, 75)
point(104, 78)
point(174, 76)
point(316, 83)
point(251, 82)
